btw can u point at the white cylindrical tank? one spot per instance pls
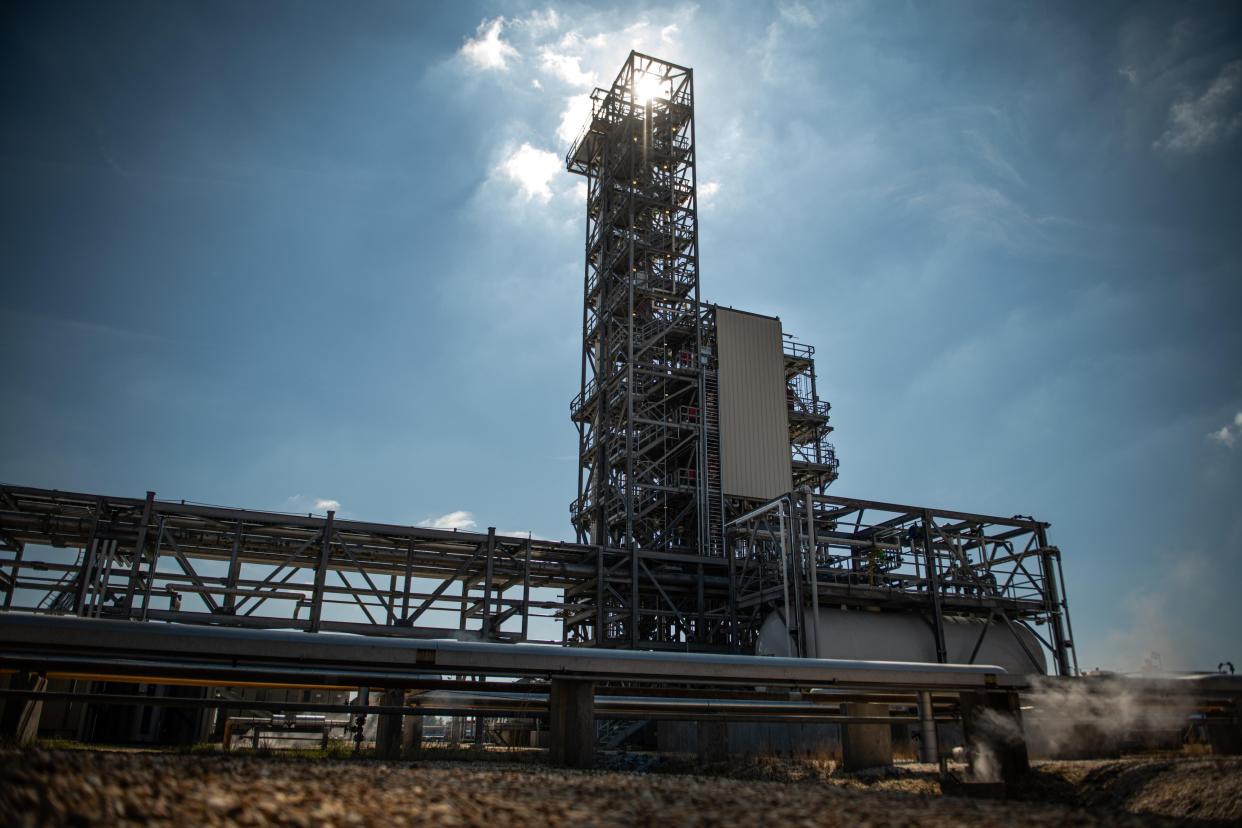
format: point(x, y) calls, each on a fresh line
point(899, 636)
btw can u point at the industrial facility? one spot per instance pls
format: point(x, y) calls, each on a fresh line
point(715, 575)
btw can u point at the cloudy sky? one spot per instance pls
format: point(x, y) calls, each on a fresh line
point(302, 255)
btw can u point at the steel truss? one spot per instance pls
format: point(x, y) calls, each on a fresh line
point(143, 558)
point(866, 554)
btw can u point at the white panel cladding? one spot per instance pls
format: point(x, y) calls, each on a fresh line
point(754, 419)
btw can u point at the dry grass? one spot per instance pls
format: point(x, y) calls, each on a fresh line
point(41, 787)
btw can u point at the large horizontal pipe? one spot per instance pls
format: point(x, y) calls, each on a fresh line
point(474, 704)
point(34, 637)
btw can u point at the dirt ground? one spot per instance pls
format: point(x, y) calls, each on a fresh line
point(89, 787)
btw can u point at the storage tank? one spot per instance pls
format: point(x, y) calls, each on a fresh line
point(899, 636)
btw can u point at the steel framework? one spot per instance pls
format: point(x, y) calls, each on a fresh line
point(801, 551)
point(649, 477)
point(649, 483)
point(144, 558)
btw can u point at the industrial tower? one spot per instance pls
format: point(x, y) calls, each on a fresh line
point(651, 487)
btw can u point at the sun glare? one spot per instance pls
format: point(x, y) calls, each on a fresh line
point(648, 86)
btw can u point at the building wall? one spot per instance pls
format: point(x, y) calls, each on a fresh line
point(754, 417)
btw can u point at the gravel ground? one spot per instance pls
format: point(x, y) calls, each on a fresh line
point(85, 787)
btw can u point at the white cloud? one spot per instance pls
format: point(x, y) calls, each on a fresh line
point(707, 191)
point(668, 35)
point(799, 15)
point(535, 83)
point(574, 118)
point(306, 504)
point(1129, 73)
point(521, 533)
point(1212, 117)
point(566, 67)
point(453, 520)
point(532, 170)
point(540, 22)
point(1225, 436)
point(573, 40)
point(486, 50)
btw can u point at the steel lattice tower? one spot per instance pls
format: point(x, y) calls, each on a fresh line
point(649, 476)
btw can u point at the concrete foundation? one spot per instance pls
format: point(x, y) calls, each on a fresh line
point(388, 731)
point(571, 719)
point(411, 734)
point(20, 720)
point(992, 724)
point(866, 745)
point(713, 741)
point(803, 740)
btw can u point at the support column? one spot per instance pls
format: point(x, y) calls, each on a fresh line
point(411, 735)
point(866, 745)
point(20, 720)
point(713, 741)
point(571, 715)
point(929, 744)
point(388, 731)
point(992, 726)
point(1225, 734)
point(360, 721)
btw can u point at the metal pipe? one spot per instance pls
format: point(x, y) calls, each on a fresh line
point(31, 639)
point(780, 519)
point(813, 572)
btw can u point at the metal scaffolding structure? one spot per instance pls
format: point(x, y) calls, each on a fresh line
point(649, 477)
point(815, 461)
point(803, 551)
point(148, 559)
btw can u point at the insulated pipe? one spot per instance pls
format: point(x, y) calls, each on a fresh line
point(103, 643)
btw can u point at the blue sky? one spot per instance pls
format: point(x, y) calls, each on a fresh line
point(274, 255)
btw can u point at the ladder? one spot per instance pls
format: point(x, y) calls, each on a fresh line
point(711, 451)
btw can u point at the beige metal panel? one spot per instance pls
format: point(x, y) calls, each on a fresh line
point(754, 420)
